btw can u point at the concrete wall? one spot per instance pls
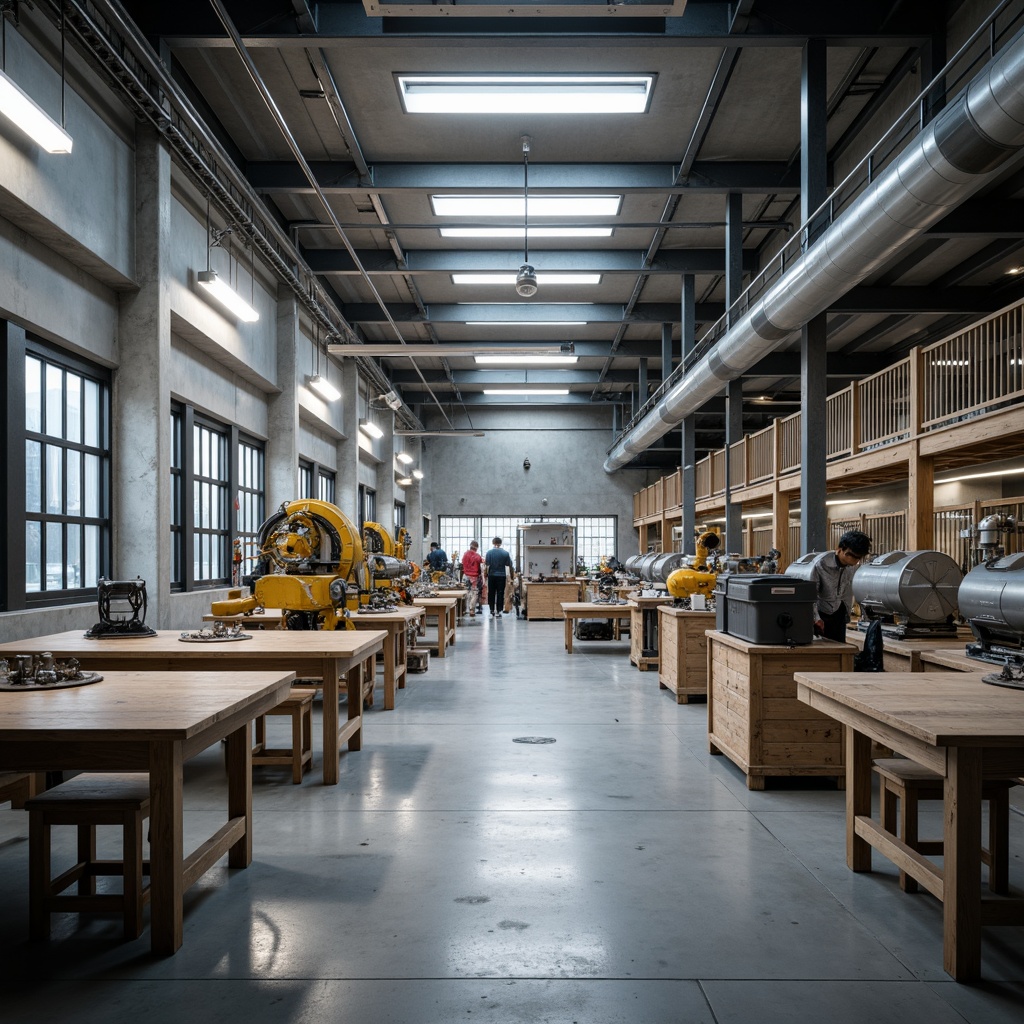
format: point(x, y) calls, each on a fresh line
point(566, 449)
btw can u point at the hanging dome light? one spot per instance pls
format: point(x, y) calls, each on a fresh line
point(526, 279)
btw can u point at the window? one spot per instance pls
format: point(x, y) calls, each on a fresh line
point(399, 516)
point(315, 481)
point(249, 504)
point(595, 538)
point(305, 479)
point(63, 486)
point(367, 505)
point(218, 493)
point(325, 485)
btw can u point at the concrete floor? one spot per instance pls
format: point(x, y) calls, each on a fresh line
point(618, 873)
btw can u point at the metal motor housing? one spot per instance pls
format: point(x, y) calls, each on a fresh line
point(992, 600)
point(919, 586)
point(802, 567)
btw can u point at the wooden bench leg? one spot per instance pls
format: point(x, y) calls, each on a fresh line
point(908, 833)
point(38, 878)
point(998, 845)
point(131, 856)
point(87, 855)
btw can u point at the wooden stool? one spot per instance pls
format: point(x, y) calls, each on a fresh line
point(19, 786)
point(87, 801)
point(908, 783)
point(299, 706)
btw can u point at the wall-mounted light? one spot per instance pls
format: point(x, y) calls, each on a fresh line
point(417, 474)
point(405, 458)
point(404, 481)
point(220, 290)
point(371, 429)
point(323, 387)
point(23, 111)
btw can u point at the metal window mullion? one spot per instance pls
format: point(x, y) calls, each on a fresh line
point(188, 455)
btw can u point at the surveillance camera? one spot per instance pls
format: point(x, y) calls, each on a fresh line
point(391, 400)
point(526, 281)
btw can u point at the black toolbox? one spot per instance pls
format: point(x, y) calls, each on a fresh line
point(766, 609)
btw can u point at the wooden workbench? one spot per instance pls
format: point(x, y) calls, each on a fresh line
point(573, 610)
point(683, 651)
point(903, 655)
point(643, 629)
point(544, 598)
point(754, 716)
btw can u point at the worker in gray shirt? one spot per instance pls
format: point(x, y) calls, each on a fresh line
point(832, 574)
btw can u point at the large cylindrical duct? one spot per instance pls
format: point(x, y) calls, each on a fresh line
point(954, 156)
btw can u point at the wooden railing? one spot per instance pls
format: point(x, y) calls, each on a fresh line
point(973, 373)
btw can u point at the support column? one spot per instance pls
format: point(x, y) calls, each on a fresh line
point(141, 394)
point(688, 454)
point(346, 486)
point(283, 408)
point(666, 351)
point(386, 487)
point(734, 389)
point(414, 498)
point(920, 501)
point(813, 335)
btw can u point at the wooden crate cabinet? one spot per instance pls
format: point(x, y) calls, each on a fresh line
point(754, 716)
point(645, 656)
point(544, 599)
point(683, 651)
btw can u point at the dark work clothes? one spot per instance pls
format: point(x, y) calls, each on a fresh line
point(498, 565)
point(835, 624)
point(437, 559)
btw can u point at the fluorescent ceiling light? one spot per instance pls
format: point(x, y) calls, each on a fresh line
point(525, 94)
point(404, 457)
point(511, 279)
point(526, 391)
point(453, 432)
point(22, 110)
point(422, 350)
point(404, 481)
point(980, 476)
point(370, 428)
point(522, 323)
point(226, 296)
point(417, 474)
point(324, 388)
point(522, 360)
point(579, 232)
point(515, 206)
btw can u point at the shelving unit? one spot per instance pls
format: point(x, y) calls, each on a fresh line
point(544, 544)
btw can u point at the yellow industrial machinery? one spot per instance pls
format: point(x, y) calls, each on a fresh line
point(700, 574)
point(387, 566)
point(313, 567)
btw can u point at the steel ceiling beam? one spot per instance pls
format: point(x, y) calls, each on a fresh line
point(527, 312)
point(340, 177)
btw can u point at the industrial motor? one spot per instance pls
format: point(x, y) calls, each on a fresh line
point(917, 588)
point(992, 600)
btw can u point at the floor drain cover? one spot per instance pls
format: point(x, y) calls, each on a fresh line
point(534, 739)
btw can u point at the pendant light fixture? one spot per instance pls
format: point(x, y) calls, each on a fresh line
point(526, 279)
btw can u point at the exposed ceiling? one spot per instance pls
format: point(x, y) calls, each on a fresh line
point(723, 118)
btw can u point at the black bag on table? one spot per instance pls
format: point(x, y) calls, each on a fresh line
point(870, 659)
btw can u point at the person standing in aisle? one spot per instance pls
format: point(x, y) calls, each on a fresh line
point(832, 574)
point(471, 562)
point(437, 559)
point(498, 562)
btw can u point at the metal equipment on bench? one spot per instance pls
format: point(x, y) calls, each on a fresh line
point(992, 601)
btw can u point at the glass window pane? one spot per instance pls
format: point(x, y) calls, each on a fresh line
point(54, 401)
point(74, 483)
point(73, 561)
point(92, 486)
point(197, 547)
point(33, 558)
point(73, 386)
point(33, 395)
point(92, 414)
point(54, 479)
point(33, 477)
point(91, 557)
point(54, 557)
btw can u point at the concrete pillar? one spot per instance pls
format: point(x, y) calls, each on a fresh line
point(414, 499)
point(734, 389)
point(688, 455)
point(813, 336)
point(282, 464)
point(346, 486)
point(386, 489)
point(141, 395)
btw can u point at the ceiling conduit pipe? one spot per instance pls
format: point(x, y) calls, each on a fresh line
point(955, 155)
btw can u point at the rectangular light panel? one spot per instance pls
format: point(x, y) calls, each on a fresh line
point(525, 94)
point(518, 233)
point(511, 279)
point(515, 206)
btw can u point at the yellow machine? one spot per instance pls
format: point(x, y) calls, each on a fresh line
point(388, 568)
point(315, 569)
point(697, 577)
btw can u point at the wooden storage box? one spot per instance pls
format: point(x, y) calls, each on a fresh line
point(644, 643)
point(683, 651)
point(754, 716)
point(544, 599)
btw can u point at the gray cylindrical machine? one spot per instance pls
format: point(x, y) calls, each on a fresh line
point(991, 598)
point(919, 586)
point(658, 570)
point(801, 568)
point(385, 567)
point(643, 566)
point(632, 564)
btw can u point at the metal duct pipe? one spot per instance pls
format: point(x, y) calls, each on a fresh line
point(955, 155)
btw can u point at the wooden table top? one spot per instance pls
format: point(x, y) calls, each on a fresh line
point(681, 613)
point(942, 709)
point(956, 657)
point(598, 610)
point(315, 643)
point(428, 602)
point(814, 647)
point(146, 705)
point(403, 613)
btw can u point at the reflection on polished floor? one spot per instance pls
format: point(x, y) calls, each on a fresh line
point(614, 873)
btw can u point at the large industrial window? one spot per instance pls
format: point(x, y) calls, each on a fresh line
point(218, 496)
point(250, 507)
point(66, 483)
point(367, 505)
point(305, 479)
point(595, 535)
point(325, 485)
point(399, 516)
